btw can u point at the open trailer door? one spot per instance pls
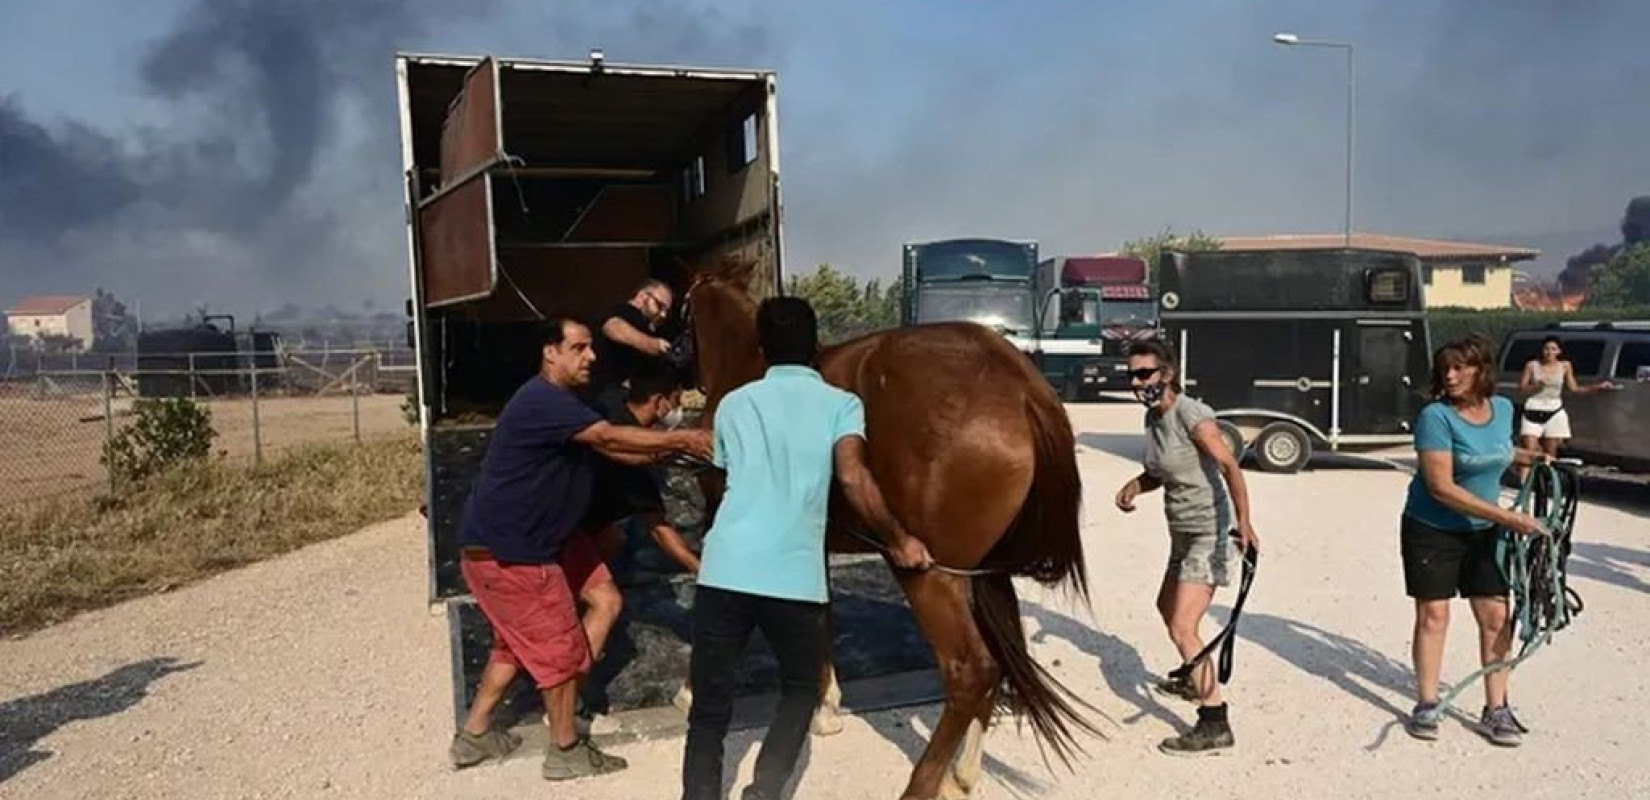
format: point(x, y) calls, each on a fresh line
point(455, 224)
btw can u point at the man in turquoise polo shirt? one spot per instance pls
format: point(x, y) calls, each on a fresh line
point(781, 440)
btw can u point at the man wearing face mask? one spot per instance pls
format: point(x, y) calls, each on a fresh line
point(1203, 486)
point(654, 399)
point(628, 341)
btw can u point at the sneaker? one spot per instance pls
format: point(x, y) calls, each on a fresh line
point(1180, 686)
point(582, 760)
point(598, 725)
point(1208, 737)
point(1422, 723)
point(604, 725)
point(1501, 727)
point(469, 749)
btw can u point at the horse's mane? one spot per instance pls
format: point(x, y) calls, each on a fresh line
point(725, 268)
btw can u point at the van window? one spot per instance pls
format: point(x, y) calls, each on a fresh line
point(1520, 353)
point(1632, 357)
point(1585, 355)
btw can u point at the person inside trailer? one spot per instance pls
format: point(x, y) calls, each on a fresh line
point(629, 341)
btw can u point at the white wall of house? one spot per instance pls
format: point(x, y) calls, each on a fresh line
point(76, 323)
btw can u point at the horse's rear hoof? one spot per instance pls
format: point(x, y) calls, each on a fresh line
point(953, 789)
point(827, 721)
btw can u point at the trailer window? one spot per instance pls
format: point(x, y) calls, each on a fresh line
point(693, 179)
point(1472, 274)
point(742, 143)
point(1633, 360)
point(1387, 286)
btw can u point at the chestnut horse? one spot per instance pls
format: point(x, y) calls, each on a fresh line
point(976, 457)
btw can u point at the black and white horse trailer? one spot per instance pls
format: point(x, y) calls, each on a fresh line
point(1298, 350)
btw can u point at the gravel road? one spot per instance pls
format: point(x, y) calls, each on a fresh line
point(322, 674)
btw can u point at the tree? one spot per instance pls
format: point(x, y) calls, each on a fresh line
point(114, 329)
point(844, 307)
point(1625, 281)
point(1151, 248)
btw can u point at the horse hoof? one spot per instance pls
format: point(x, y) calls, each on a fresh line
point(952, 789)
point(827, 722)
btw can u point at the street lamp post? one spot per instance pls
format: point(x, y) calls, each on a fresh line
point(1291, 40)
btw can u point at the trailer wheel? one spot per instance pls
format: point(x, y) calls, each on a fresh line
point(1282, 447)
point(1233, 437)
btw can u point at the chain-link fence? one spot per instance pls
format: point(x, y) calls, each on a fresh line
point(58, 412)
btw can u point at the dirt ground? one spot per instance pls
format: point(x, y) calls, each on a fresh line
point(51, 445)
point(324, 675)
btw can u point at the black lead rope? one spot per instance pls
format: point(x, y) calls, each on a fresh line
point(1228, 635)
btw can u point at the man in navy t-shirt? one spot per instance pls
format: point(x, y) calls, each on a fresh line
point(524, 555)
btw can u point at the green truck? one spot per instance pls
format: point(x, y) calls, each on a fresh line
point(1105, 304)
point(1059, 316)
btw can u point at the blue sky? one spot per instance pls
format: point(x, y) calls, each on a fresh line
point(1076, 124)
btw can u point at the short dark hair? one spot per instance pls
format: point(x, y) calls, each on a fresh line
point(1470, 351)
point(653, 382)
point(554, 329)
point(788, 330)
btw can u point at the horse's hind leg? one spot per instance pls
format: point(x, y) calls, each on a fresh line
point(827, 719)
point(828, 716)
point(940, 603)
point(966, 770)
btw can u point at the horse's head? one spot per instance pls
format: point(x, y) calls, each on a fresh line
point(719, 336)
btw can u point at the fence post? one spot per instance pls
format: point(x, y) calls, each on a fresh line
point(108, 425)
point(191, 376)
point(355, 407)
point(257, 431)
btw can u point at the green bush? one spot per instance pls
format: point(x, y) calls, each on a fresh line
point(1449, 324)
point(409, 408)
point(165, 434)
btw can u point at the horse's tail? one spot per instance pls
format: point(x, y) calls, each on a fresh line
point(1043, 543)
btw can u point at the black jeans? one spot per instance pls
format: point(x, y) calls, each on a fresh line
point(722, 623)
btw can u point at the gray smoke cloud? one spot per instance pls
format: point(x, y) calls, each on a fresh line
point(275, 174)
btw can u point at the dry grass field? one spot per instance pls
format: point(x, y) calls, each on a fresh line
point(51, 445)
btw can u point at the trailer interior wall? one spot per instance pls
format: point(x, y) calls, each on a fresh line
point(613, 178)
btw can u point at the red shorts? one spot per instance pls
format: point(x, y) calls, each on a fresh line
point(533, 610)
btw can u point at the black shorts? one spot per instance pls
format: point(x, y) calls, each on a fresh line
point(1440, 564)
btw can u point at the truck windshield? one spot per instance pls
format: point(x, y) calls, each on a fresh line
point(1007, 309)
point(1127, 312)
point(975, 258)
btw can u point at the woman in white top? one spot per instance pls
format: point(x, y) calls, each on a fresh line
point(1544, 382)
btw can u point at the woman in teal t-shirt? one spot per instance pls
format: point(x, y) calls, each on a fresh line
point(1464, 444)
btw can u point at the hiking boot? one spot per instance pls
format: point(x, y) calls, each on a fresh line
point(1180, 686)
point(1209, 736)
point(1422, 723)
point(582, 760)
point(469, 749)
point(1501, 727)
